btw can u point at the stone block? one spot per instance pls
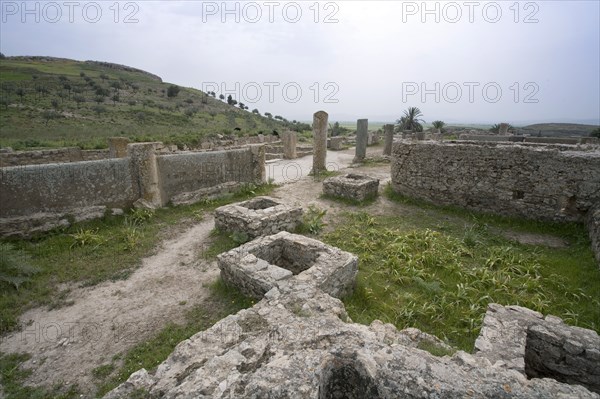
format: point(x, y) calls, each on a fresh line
point(284, 258)
point(258, 217)
point(351, 186)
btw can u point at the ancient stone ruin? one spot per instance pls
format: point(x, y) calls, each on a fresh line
point(351, 186)
point(258, 216)
point(298, 342)
point(540, 347)
point(362, 137)
point(258, 266)
point(319, 141)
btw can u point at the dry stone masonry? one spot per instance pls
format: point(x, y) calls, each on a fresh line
point(284, 258)
point(351, 186)
point(298, 342)
point(556, 183)
point(540, 347)
point(37, 198)
point(258, 217)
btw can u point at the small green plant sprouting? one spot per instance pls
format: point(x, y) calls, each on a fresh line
point(247, 189)
point(313, 220)
point(198, 215)
point(15, 266)
point(83, 238)
point(132, 237)
point(140, 215)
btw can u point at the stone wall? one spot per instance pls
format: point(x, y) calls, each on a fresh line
point(31, 189)
point(57, 155)
point(185, 173)
point(42, 197)
point(554, 183)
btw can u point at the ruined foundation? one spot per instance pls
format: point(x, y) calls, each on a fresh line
point(351, 186)
point(267, 262)
point(258, 216)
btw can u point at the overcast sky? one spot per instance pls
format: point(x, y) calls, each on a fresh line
point(459, 61)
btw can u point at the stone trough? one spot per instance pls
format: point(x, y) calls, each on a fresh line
point(258, 217)
point(351, 186)
point(286, 258)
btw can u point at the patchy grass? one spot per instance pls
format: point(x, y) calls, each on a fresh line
point(149, 354)
point(312, 221)
point(12, 377)
point(89, 253)
point(437, 269)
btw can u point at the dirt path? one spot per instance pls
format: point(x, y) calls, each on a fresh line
point(66, 344)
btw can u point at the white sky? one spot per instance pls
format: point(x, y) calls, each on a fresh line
point(375, 58)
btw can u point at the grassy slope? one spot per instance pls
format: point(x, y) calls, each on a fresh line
point(560, 129)
point(143, 111)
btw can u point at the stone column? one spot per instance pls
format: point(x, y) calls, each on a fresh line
point(117, 147)
point(503, 129)
point(144, 170)
point(258, 164)
point(319, 141)
point(290, 140)
point(389, 139)
point(362, 135)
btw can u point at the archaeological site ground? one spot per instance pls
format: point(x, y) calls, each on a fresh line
point(378, 263)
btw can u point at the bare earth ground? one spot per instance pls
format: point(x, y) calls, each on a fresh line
point(66, 344)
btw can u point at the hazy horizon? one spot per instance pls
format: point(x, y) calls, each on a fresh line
point(461, 62)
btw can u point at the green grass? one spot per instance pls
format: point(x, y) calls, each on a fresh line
point(222, 302)
point(437, 269)
point(143, 111)
point(89, 253)
point(12, 377)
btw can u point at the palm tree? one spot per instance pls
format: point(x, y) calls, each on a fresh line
point(411, 120)
point(438, 125)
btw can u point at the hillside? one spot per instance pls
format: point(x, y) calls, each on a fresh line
point(558, 129)
point(51, 102)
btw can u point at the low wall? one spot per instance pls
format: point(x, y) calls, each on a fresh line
point(37, 198)
point(186, 173)
point(57, 155)
point(509, 179)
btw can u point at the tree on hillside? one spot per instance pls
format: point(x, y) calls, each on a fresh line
point(79, 99)
point(411, 120)
point(255, 111)
point(21, 93)
point(269, 115)
point(221, 97)
point(172, 91)
point(595, 132)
